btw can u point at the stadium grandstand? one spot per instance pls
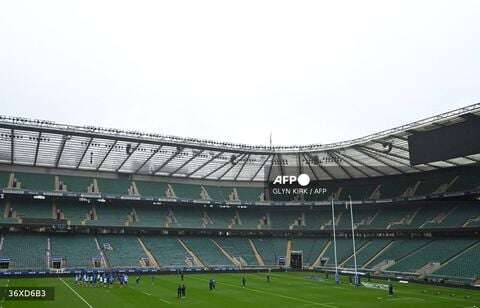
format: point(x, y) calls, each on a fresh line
point(79, 198)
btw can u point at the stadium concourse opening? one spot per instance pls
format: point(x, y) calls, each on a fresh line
point(106, 216)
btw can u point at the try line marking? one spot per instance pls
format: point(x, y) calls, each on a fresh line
point(76, 293)
point(275, 294)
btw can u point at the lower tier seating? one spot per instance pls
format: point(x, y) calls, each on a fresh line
point(77, 250)
point(25, 251)
point(121, 250)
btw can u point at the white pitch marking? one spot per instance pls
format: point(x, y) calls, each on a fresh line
point(272, 293)
point(76, 293)
point(146, 293)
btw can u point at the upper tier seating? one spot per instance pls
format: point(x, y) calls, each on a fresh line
point(35, 181)
point(32, 209)
point(114, 186)
point(150, 216)
point(74, 212)
point(249, 193)
point(187, 191)
point(4, 178)
point(110, 215)
point(459, 216)
point(398, 186)
point(219, 218)
point(76, 183)
point(151, 189)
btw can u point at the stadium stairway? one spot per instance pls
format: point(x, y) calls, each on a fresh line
point(257, 255)
point(358, 251)
point(122, 251)
point(409, 254)
point(206, 251)
point(464, 264)
point(103, 257)
point(437, 251)
point(231, 258)
point(196, 259)
point(439, 218)
point(377, 254)
point(151, 258)
point(320, 256)
point(167, 251)
point(288, 252)
point(238, 248)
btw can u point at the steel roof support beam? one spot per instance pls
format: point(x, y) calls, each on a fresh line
point(472, 159)
point(186, 162)
point(352, 165)
point(106, 155)
point(84, 152)
point(386, 154)
point(222, 147)
point(60, 151)
point(334, 158)
point(394, 146)
point(228, 169)
point(148, 159)
point(363, 165)
point(382, 161)
point(205, 163)
point(37, 148)
point(216, 169)
point(322, 168)
point(178, 151)
point(280, 160)
point(300, 167)
point(393, 158)
point(270, 168)
point(261, 166)
point(128, 156)
point(310, 166)
point(12, 143)
point(241, 168)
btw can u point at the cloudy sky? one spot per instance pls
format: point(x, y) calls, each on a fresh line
point(308, 71)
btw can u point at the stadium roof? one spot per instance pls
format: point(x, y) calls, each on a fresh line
point(48, 144)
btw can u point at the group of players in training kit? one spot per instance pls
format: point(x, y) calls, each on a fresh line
point(108, 279)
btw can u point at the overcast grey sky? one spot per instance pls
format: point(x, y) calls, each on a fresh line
point(310, 71)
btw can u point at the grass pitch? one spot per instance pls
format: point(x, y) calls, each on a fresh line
point(284, 290)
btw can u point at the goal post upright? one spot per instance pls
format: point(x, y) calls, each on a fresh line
point(353, 240)
point(334, 239)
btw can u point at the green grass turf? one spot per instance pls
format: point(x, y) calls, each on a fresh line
point(285, 290)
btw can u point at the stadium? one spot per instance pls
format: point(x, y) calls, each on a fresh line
point(86, 201)
point(241, 154)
